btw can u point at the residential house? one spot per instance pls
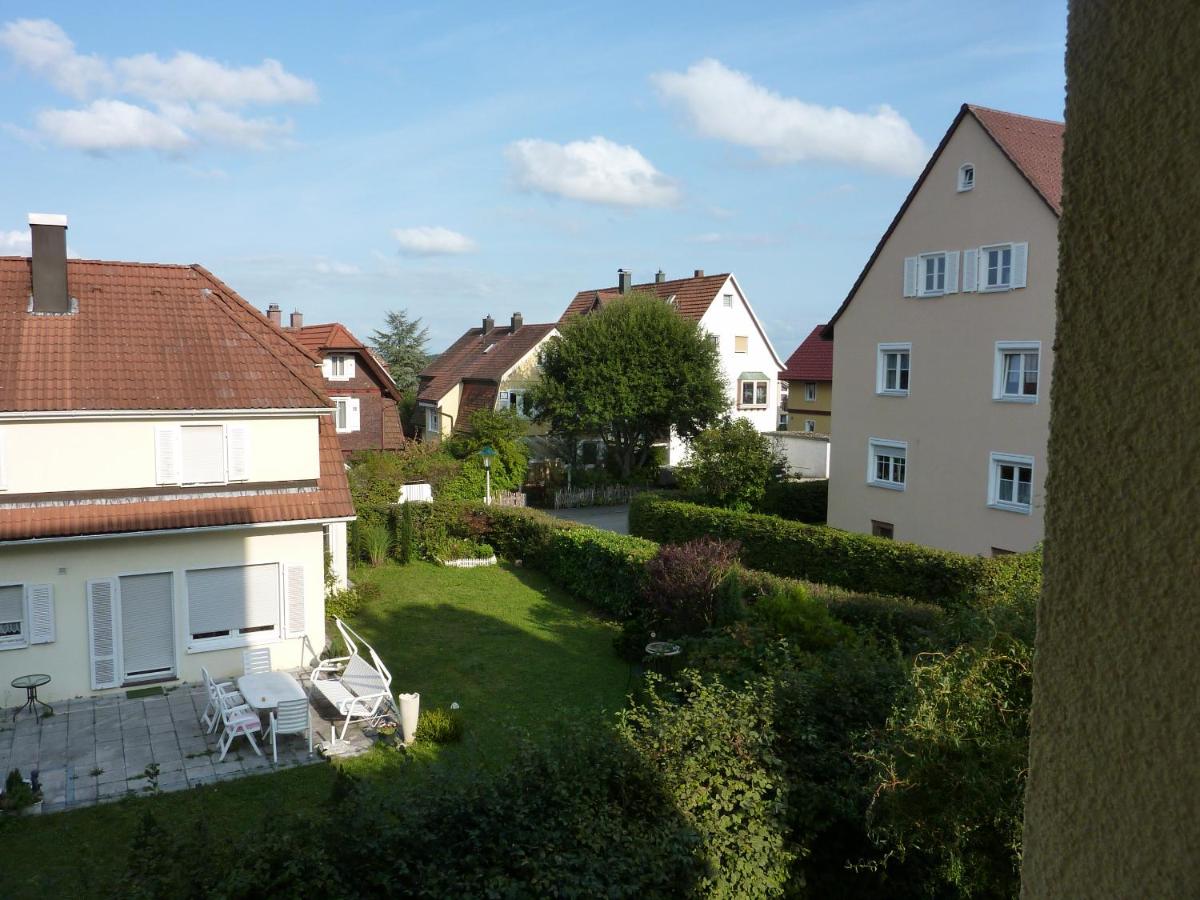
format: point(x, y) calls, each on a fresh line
point(749, 363)
point(486, 368)
point(170, 478)
point(366, 401)
point(943, 348)
point(809, 379)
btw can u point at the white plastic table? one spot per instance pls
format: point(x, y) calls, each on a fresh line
point(264, 690)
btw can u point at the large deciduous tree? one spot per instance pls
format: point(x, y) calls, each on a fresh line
point(401, 344)
point(631, 372)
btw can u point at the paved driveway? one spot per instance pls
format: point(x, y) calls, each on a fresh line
point(606, 518)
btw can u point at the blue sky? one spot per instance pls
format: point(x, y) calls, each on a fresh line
point(466, 160)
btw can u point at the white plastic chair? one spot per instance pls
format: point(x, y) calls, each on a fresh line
point(212, 709)
point(291, 717)
point(239, 720)
point(256, 660)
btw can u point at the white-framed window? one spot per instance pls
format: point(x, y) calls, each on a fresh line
point(1017, 371)
point(810, 425)
point(518, 401)
point(752, 394)
point(741, 344)
point(810, 391)
point(783, 421)
point(346, 417)
point(996, 267)
point(892, 369)
point(887, 463)
point(26, 615)
point(233, 605)
point(203, 454)
point(1010, 482)
point(966, 177)
point(433, 419)
point(931, 274)
point(338, 367)
point(728, 301)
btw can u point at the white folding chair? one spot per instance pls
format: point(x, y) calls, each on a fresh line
point(212, 709)
point(256, 660)
point(239, 720)
point(291, 717)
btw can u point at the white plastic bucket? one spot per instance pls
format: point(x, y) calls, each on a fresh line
point(410, 711)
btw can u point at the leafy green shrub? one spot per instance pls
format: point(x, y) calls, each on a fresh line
point(463, 548)
point(793, 613)
point(346, 602)
point(501, 430)
point(825, 555)
point(800, 501)
point(18, 793)
point(730, 464)
point(376, 476)
point(439, 726)
point(682, 588)
point(377, 541)
point(405, 537)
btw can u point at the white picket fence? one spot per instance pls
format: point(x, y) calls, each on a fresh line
point(608, 495)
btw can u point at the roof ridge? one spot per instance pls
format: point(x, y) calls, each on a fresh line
point(650, 284)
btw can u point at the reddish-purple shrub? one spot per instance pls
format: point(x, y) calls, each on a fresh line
point(683, 584)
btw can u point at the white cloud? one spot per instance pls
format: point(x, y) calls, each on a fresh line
point(15, 243)
point(44, 49)
point(333, 267)
point(596, 171)
point(728, 105)
point(112, 125)
point(432, 240)
point(181, 102)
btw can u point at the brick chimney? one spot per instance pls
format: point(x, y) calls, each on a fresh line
point(275, 314)
point(660, 276)
point(49, 263)
point(517, 321)
point(699, 273)
point(624, 280)
point(488, 324)
point(297, 320)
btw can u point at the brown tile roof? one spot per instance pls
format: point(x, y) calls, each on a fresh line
point(146, 337)
point(330, 500)
point(1034, 146)
point(318, 339)
point(812, 360)
point(476, 395)
point(466, 359)
point(693, 296)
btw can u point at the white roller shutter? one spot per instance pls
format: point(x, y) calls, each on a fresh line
point(970, 278)
point(167, 453)
point(232, 599)
point(102, 631)
point(147, 625)
point(294, 592)
point(14, 627)
point(203, 454)
point(1020, 263)
point(353, 422)
point(911, 265)
point(237, 439)
point(41, 613)
point(952, 272)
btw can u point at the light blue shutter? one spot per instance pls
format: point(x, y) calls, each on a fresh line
point(910, 276)
point(952, 272)
point(1020, 261)
point(970, 277)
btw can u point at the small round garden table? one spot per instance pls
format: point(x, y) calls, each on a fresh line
point(31, 683)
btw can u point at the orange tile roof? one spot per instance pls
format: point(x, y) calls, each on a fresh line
point(335, 336)
point(469, 358)
point(693, 296)
point(146, 337)
point(812, 360)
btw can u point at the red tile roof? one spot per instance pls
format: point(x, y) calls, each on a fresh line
point(469, 359)
point(146, 337)
point(319, 339)
point(693, 296)
point(1033, 146)
point(812, 360)
point(79, 517)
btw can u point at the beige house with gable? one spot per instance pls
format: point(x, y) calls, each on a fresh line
point(943, 348)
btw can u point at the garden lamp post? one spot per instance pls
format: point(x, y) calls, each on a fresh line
point(487, 453)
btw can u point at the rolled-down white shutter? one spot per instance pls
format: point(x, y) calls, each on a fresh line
point(349, 364)
point(167, 454)
point(952, 272)
point(353, 423)
point(102, 631)
point(147, 625)
point(970, 281)
point(910, 276)
point(41, 613)
point(327, 367)
point(1020, 263)
point(294, 597)
point(232, 599)
point(237, 438)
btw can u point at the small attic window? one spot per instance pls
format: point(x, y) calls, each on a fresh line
point(489, 348)
point(966, 177)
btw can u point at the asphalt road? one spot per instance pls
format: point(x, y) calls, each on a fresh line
point(608, 518)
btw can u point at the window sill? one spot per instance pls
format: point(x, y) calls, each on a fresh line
point(753, 408)
point(891, 393)
point(886, 485)
point(1006, 398)
point(13, 645)
point(1010, 507)
point(250, 640)
point(998, 289)
point(928, 294)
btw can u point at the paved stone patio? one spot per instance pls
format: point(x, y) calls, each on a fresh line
point(94, 750)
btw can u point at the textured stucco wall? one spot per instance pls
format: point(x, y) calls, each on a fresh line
point(1113, 802)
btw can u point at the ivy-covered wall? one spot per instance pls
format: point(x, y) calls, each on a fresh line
point(1112, 808)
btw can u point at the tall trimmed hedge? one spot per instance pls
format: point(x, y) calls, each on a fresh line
point(829, 556)
point(801, 501)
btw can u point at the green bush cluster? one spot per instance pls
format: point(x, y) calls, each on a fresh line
point(345, 602)
point(829, 556)
point(439, 726)
point(800, 501)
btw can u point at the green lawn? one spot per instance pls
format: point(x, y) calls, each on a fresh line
point(513, 651)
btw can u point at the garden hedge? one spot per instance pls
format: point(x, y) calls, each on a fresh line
point(801, 501)
point(828, 556)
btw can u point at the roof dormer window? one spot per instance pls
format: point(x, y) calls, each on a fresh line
point(966, 177)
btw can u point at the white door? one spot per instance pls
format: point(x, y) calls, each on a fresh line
point(147, 626)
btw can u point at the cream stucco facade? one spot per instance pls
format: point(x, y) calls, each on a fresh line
point(948, 422)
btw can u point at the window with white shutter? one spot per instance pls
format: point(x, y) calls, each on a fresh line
point(1020, 264)
point(102, 631)
point(203, 454)
point(41, 613)
point(341, 414)
point(167, 453)
point(232, 603)
point(294, 594)
point(237, 439)
point(14, 624)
